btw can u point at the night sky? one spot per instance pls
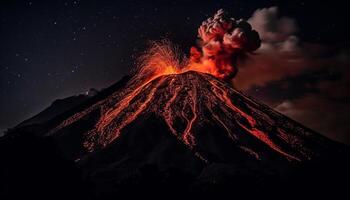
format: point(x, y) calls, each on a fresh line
point(55, 49)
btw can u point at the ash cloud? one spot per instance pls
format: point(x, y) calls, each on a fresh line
point(285, 59)
point(281, 53)
point(327, 109)
point(231, 34)
point(222, 40)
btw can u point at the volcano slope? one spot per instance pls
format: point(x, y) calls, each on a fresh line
point(191, 132)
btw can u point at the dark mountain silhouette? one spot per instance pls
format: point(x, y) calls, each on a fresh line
point(177, 134)
point(58, 107)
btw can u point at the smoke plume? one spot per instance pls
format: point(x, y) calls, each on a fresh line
point(222, 41)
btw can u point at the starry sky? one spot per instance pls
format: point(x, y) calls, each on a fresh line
point(55, 49)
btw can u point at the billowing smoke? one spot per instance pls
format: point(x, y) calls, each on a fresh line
point(282, 54)
point(222, 41)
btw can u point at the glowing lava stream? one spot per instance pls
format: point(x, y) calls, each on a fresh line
point(253, 130)
point(167, 113)
point(114, 112)
point(187, 136)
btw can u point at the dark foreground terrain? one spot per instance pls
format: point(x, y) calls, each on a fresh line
point(36, 169)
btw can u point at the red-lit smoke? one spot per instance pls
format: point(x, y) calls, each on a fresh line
point(222, 41)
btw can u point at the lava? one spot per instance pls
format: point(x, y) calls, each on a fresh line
point(222, 94)
point(183, 97)
point(186, 102)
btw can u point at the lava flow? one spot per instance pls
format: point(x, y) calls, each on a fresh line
point(192, 95)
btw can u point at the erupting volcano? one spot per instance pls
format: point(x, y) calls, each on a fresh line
point(183, 112)
point(195, 99)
